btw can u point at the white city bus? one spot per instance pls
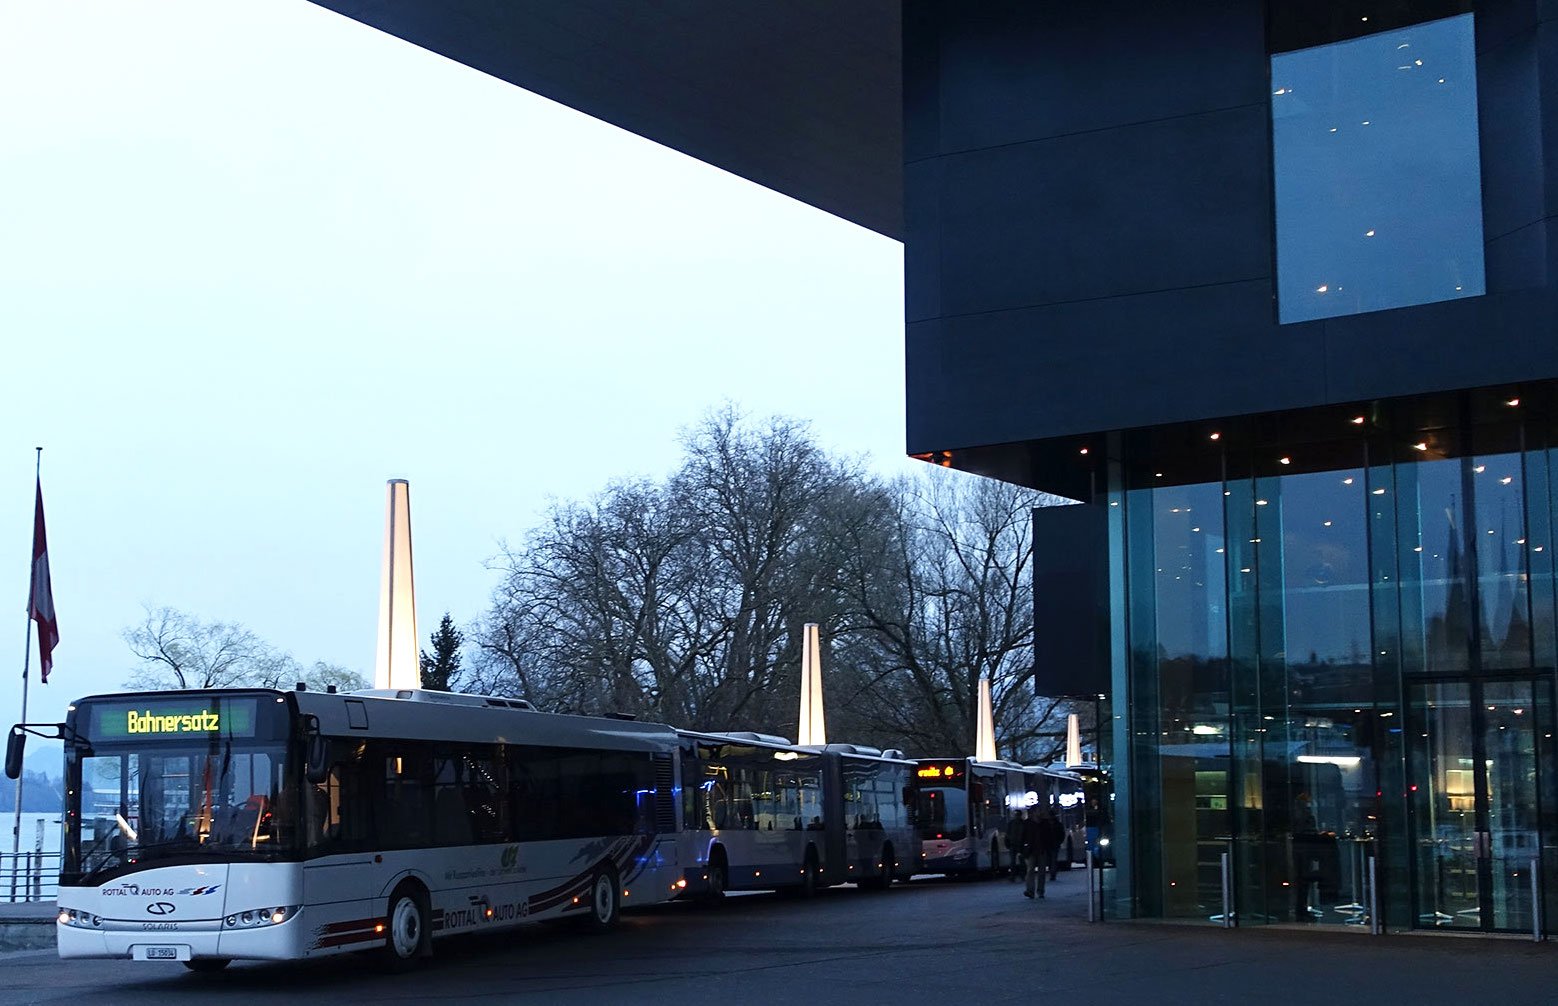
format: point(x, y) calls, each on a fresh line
point(209, 826)
point(964, 807)
point(759, 813)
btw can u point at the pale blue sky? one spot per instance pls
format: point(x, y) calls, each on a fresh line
point(257, 258)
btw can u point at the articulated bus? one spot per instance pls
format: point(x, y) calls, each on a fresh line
point(964, 807)
point(759, 813)
point(206, 826)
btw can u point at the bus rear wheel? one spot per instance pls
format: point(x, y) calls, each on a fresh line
point(719, 877)
point(207, 965)
point(883, 878)
point(808, 888)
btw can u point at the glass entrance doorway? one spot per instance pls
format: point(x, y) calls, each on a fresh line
point(1476, 795)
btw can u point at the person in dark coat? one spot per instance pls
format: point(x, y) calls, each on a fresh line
point(1033, 855)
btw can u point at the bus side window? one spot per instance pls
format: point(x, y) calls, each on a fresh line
point(404, 796)
point(692, 775)
point(338, 811)
point(452, 822)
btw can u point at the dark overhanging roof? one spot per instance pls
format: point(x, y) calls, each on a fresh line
point(800, 96)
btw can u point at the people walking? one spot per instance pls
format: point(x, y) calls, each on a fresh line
point(1033, 855)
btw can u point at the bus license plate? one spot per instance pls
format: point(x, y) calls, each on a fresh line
point(165, 953)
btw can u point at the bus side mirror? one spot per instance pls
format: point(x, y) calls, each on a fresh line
point(15, 744)
point(318, 767)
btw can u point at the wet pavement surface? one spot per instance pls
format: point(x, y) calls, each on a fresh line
point(930, 941)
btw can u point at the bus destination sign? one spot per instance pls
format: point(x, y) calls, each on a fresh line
point(938, 772)
point(150, 720)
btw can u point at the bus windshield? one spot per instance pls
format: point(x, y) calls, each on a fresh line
point(943, 812)
point(168, 799)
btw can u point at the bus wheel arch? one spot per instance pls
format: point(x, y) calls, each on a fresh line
point(407, 933)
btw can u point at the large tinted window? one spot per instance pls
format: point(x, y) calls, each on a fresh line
point(389, 794)
point(1378, 174)
point(736, 787)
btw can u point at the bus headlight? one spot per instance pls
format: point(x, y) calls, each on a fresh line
point(80, 920)
point(1103, 843)
point(256, 917)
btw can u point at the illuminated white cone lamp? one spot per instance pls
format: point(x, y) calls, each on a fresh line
point(1073, 740)
point(984, 733)
point(397, 662)
point(812, 729)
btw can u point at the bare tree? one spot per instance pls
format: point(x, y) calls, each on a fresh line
point(321, 676)
point(683, 600)
point(944, 592)
point(178, 650)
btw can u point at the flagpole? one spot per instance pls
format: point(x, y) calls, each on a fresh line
point(16, 825)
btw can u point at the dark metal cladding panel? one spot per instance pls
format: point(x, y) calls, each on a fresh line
point(1071, 600)
point(803, 97)
point(1090, 239)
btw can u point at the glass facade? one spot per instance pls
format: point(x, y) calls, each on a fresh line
point(1337, 655)
point(1377, 172)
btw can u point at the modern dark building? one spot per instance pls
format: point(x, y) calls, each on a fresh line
point(1270, 289)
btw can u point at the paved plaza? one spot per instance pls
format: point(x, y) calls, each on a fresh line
point(931, 942)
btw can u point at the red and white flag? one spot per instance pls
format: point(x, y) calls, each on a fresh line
point(40, 599)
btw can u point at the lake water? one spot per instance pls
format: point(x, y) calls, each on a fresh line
point(30, 822)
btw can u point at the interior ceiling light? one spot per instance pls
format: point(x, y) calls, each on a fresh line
point(1420, 446)
point(1216, 436)
point(1513, 402)
point(1285, 461)
point(1357, 420)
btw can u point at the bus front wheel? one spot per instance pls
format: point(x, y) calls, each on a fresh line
point(605, 900)
point(408, 936)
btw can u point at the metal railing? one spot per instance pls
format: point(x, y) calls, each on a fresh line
point(29, 876)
